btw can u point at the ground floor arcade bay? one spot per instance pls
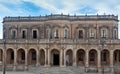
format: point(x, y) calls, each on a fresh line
point(90, 56)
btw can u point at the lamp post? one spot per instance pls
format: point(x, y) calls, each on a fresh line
point(4, 64)
point(102, 42)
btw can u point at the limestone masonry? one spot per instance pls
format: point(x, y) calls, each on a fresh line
point(89, 41)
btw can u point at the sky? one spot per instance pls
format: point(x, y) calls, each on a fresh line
point(46, 7)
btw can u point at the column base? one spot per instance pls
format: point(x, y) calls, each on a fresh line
point(86, 69)
point(99, 69)
point(14, 68)
point(112, 69)
point(37, 64)
point(74, 64)
point(46, 65)
point(62, 66)
point(26, 67)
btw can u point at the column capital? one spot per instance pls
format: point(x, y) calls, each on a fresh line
point(62, 48)
point(47, 47)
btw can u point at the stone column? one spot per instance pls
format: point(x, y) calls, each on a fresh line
point(37, 58)
point(61, 57)
point(99, 61)
point(48, 57)
point(26, 60)
point(87, 61)
point(15, 59)
point(111, 60)
point(117, 58)
point(74, 57)
point(64, 58)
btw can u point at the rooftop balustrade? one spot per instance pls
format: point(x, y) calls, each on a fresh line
point(60, 17)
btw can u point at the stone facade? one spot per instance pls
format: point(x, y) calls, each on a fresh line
point(89, 41)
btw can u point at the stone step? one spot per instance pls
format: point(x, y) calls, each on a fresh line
point(57, 70)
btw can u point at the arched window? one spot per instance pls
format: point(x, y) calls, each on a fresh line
point(104, 56)
point(91, 32)
point(22, 55)
point(14, 34)
point(80, 56)
point(12, 55)
point(56, 33)
point(65, 33)
point(92, 56)
point(33, 55)
point(80, 34)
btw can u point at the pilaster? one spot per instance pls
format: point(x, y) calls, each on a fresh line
point(87, 61)
point(48, 57)
point(74, 57)
point(64, 58)
point(111, 60)
point(38, 54)
point(99, 61)
point(15, 59)
point(26, 60)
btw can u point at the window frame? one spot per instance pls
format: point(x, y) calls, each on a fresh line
point(25, 30)
point(13, 33)
point(80, 36)
point(66, 33)
point(104, 33)
point(34, 37)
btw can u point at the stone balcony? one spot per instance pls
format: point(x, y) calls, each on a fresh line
point(59, 41)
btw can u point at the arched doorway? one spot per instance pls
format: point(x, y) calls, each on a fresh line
point(32, 57)
point(42, 57)
point(93, 57)
point(117, 57)
point(1, 56)
point(10, 56)
point(55, 57)
point(21, 56)
point(81, 57)
point(105, 57)
point(69, 57)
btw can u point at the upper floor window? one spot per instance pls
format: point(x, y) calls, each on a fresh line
point(14, 34)
point(56, 33)
point(115, 34)
point(80, 34)
point(91, 32)
point(24, 34)
point(34, 34)
point(49, 34)
point(65, 33)
point(103, 33)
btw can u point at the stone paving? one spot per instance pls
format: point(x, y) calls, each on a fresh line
point(53, 70)
point(26, 72)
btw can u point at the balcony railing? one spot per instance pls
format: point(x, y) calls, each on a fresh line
point(58, 41)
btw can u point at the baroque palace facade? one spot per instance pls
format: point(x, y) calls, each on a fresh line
point(88, 41)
